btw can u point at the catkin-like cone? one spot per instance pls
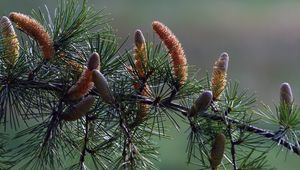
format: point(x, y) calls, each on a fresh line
point(141, 59)
point(175, 49)
point(140, 53)
point(94, 61)
point(10, 42)
point(219, 75)
point(217, 151)
point(36, 31)
point(82, 86)
point(286, 95)
point(102, 87)
point(79, 109)
point(201, 104)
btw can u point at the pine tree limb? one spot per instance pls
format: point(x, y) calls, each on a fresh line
point(176, 107)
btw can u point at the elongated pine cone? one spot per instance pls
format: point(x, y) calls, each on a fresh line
point(201, 104)
point(85, 82)
point(10, 42)
point(219, 75)
point(140, 53)
point(286, 95)
point(36, 31)
point(102, 87)
point(175, 49)
point(79, 110)
point(217, 151)
point(141, 59)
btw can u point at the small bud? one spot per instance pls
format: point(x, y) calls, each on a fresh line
point(94, 61)
point(10, 42)
point(222, 62)
point(219, 75)
point(175, 49)
point(140, 53)
point(79, 109)
point(101, 85)
point(201, 104)
point(139, 38)
point(286, 95)
point(217, 151)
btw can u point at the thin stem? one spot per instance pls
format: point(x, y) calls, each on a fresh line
point(127, 155)
point(32, 73)
point(53, 124)
point(86, 139)
point(232, 143)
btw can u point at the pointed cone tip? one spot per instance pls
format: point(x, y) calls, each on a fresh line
point(4, 19)
point(93, 61)
point(139, 38)
point(286, 94)
point(207, 93)
point(223, 61)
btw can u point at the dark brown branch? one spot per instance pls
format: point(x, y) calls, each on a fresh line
point(253, 129)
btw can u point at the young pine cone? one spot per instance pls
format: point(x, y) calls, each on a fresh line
point(101, 85)
point(10, 42)
point(217, 151)
point(94, 61)
point(286, 95)
point(140, 53)
point(79, 110)
point(219, 75)
point(201, 104)
point(85, 83)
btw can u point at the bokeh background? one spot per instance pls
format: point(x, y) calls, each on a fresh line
point(261, 37)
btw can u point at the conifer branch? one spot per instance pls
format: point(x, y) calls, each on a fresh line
point(97, 104)
point(184, 110)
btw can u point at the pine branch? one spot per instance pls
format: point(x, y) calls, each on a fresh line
point(132, 94)
point(176, 107)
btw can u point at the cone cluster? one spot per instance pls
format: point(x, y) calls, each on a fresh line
point(85, 82)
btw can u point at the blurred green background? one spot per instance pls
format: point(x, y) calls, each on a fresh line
point(261, 37)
